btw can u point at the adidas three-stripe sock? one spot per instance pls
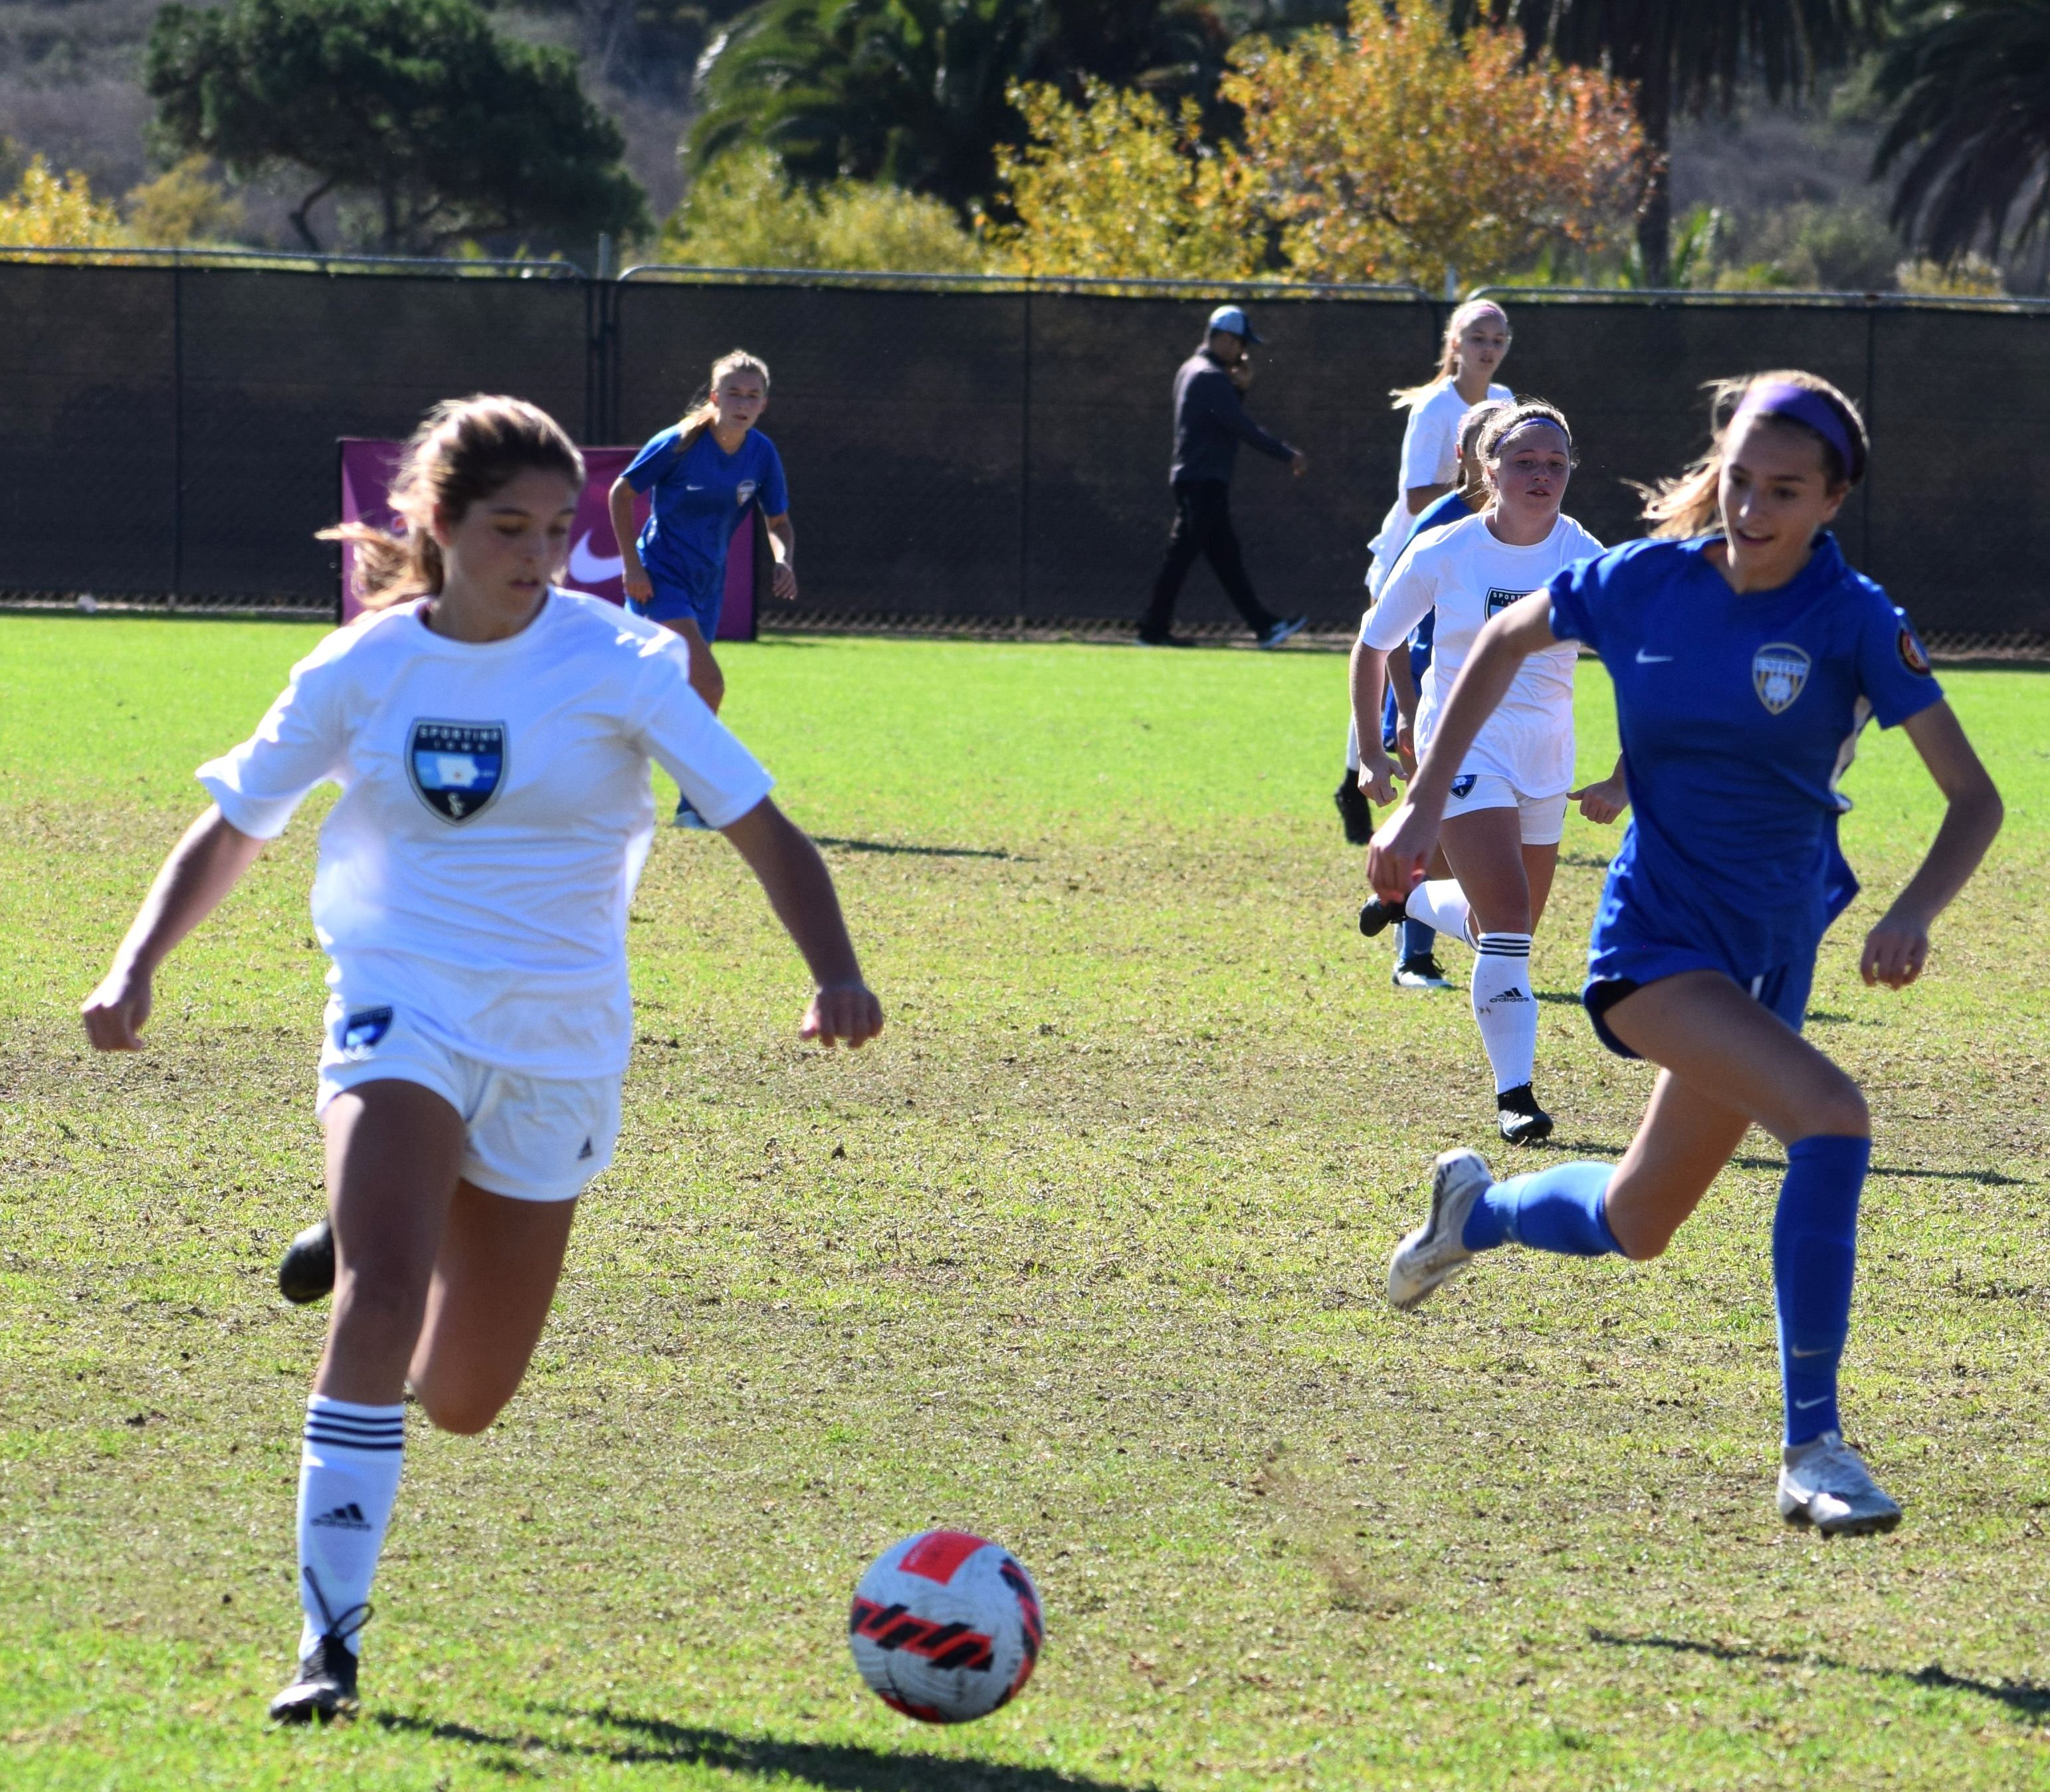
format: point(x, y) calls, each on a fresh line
point(349, 1476)
point(1504, 1006)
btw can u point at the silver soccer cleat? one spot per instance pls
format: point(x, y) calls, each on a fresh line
point(1433, 1253)
point(1825, 1483)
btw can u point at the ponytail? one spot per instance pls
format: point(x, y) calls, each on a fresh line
point(696, 420)
point(1408, 398)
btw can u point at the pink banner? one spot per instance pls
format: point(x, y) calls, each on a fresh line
point(594, 565)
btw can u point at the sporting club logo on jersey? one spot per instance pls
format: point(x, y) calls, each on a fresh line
point(745, 490)
point(456, 767)
point(1499, 600)
point(1779, 673)
point(1911, 654)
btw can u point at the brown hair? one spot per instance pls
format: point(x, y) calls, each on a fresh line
point(465, 449)
point(1692, 503)
point(1408, 398)
point(1505, 420)
point(1470, 425)
point(695, 419)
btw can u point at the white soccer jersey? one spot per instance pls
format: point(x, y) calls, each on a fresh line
point(495, 815)
point(1468, 575)
point(1430, 457)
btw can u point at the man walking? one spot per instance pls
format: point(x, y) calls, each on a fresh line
point(1210, 423)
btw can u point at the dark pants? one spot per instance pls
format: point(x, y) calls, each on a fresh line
point(1203, 525)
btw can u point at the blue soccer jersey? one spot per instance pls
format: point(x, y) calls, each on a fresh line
point(699, 495)
point(1738, 715)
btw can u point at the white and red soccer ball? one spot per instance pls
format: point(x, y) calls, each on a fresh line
point(945, 1627)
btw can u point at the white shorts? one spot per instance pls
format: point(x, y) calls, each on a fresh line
point(530, 1138)
point(1543, 818)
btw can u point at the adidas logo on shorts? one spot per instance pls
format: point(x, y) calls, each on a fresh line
point(348, 1518)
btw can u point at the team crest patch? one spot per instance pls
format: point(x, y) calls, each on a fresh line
point(1911, 655)
point(745, 490)
point(456, 767)
point(1463, 784)
point(1499, 600)
point(1779, 673)
point(357, 1033)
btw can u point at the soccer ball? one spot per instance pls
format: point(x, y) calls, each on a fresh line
point(945, 1627)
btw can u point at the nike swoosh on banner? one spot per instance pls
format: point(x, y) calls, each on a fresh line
point(586, 567)
point(1645, 659)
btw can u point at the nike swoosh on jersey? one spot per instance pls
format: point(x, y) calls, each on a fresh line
point(1645, 659)
point(593, 569)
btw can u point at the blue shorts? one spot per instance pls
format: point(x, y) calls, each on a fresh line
point(673, 602)
point(1783, 990)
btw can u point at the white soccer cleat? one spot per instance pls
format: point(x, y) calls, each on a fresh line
point(1433, 1252)
point(1825, 1483)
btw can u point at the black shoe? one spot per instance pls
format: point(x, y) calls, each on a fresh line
point(1354, 811)
point(324, 1687)
point(1377, 916)
point(1425, 972)
point(306, 1271)
point(1522, 1122)
point(1164, 640)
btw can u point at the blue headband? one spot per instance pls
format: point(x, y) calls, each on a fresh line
point(1800, 404)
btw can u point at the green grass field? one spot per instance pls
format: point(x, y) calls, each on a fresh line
point(1084, 1255)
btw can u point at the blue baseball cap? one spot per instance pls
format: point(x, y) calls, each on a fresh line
point(1232, 321)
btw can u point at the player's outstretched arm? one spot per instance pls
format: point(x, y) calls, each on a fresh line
point(800, 890)
point(201, 869)
point(1896, 949)
point(1402, 847)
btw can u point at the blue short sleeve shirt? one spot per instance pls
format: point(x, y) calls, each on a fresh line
point(698, 496)
point(1738, 713)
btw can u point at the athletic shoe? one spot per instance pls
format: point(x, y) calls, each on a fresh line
point(1519, 1118)
point(688, 817)
point(1420, 973)
point(305, 1273)
point(324, 1687)
point(1354, 811)
point(1164, 640)
point(1825, 1483)
point(1279, 632)
point(1376, 915)
point(1433, 1252)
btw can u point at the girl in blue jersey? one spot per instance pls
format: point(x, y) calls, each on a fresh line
point(1747, 656)
point(701, 476)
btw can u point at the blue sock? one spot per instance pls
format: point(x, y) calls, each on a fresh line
point(1556, 1210)
point(1814, 1257)
point(1418, 940)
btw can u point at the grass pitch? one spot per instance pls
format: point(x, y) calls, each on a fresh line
point(1084, 1255)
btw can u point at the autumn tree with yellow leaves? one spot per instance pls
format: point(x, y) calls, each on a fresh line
point(1390, 152)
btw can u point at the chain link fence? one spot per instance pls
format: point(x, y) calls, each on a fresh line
point(971, 453)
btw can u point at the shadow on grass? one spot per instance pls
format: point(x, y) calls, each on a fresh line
point(2026, 1699)
point(640, 1741)
point(1985, 1178)
point(916, 851)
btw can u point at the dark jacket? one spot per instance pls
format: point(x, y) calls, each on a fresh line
point(1209, 422)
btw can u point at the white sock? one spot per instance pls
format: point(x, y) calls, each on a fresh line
point(1440, 904)
point(1352, 745)
point(349, 1476)
point(1504, 1007)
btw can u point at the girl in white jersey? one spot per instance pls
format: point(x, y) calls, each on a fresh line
point(1508, 808)
point(492, 737)
point(1474, 345)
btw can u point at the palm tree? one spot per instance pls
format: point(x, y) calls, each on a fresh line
point(1973, 77)
point(1681, 54)
point(912, 92)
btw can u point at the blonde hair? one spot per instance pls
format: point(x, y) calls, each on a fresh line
point(1692, 503)
point(464, 450)
point(699, 416)
point(1408, 398)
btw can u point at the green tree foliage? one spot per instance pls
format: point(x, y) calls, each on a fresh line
point(450, 130)
point(1679, 55)
point(915, 93)
point(1972, 79)
point(744, 212)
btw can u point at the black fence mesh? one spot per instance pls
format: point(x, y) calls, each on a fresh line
point(989, 453)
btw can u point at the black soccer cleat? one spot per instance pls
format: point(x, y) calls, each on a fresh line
point(324, 1687)
point(305, 1273)
point(1378, 916)
point(1354, 811)
point(1522, 1122)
